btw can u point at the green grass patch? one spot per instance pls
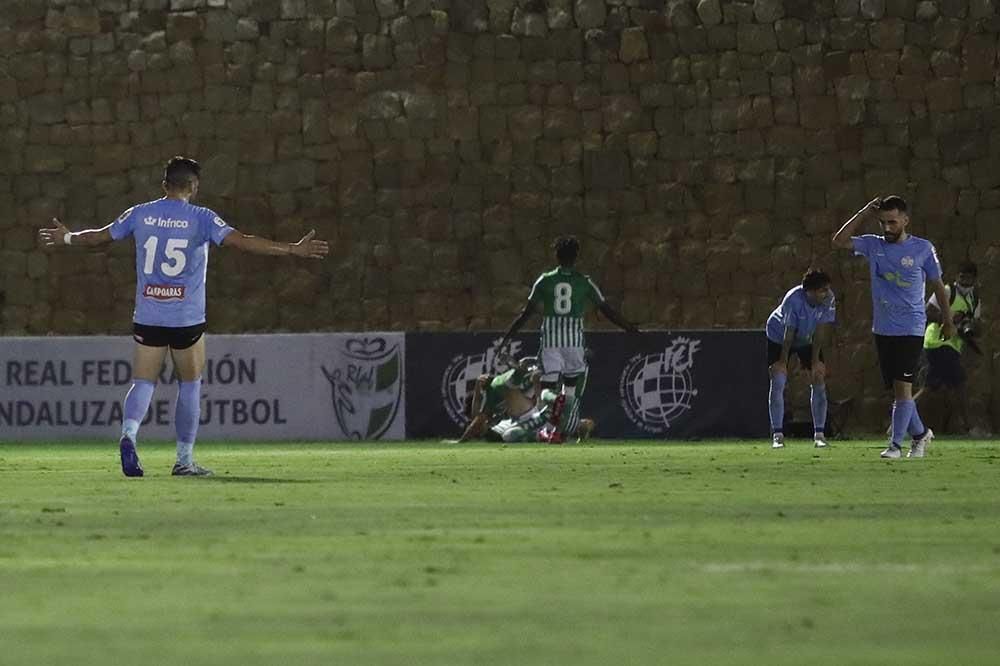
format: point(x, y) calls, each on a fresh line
point(420, 553)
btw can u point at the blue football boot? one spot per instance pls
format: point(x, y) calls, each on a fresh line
point(130, 459)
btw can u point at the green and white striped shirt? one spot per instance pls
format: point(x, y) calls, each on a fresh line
point(565, 295)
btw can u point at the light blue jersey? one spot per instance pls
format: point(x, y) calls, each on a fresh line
point(171, 259)
point(899, 271)
point(795, 312)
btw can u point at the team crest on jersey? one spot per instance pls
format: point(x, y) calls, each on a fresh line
point(366, 384)
point(161, 292)
point(459, 378)
point(907, 261)
point(657, 389)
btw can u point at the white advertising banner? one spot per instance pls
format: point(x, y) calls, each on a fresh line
point(322, 386)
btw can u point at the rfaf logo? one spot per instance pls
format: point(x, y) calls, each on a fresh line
point(366, 384)
point(460, 377)
point(657, 388)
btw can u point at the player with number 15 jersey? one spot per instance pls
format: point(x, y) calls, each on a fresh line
point(171, 259)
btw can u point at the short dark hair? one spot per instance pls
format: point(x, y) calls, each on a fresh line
point(180, 171)
point(968, 267)
point(567, 249)
point(815, 279)
point(893, 202)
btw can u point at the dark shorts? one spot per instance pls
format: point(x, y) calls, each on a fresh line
point(898, 357)
point(166, 336)
point(944, 367)
point(805, 354)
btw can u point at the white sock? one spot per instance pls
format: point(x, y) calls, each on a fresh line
point(185, 453)
point(570, 391)
point(130, 429)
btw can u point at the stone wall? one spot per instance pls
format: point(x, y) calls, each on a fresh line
point(704, 151)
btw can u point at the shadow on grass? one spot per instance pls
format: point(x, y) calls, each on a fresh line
point(249, 479)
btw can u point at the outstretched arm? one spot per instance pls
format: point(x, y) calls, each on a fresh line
point(529, 309)
point(307, 247)
point(61, 235)
point(842, 238)
point(616, 318)
point(474, 429)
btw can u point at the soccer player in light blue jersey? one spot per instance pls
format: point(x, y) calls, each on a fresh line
point(900, 265)
point(172, 237)
point(802, 323)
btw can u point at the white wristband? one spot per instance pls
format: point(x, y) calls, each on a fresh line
point(67, 238)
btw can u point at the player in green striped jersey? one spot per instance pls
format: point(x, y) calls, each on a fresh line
point(564, 296)
point(512, 393)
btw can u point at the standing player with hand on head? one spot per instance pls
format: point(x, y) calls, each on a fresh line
point(802, 324)
point(900, 265)
point(171, 259)
point(564, 295)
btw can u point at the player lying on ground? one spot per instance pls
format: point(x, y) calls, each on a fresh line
point(505, 408)
point(511, 393)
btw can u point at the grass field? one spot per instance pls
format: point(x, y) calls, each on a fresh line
point(416, 553)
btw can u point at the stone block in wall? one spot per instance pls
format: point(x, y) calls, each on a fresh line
point(589, 13)
point(848, 34)
point(945, 63)
point(79, 20)
point(948, 33)
point(606, 169)
point(755, 38)
point(988, 226)
point(944, 95)
point(341, 35)
point(182, 26)
point(785, 141)
point(818, 112)
point(979, 58)
point(634, 47)
point(709, 12)
point(622, 113)
point(887, 35)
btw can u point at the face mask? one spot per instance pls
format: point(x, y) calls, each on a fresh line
point(965, 291)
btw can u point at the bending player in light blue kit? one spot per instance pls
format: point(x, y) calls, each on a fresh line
point(171, 259)
point(802, 324)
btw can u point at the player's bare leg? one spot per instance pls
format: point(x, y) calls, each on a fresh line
point(146, 364)
point(188, 365)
